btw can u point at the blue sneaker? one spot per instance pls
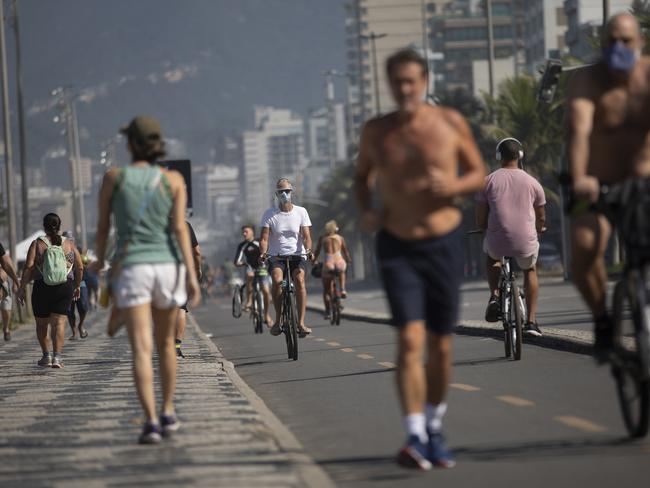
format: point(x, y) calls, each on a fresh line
point(169, 424)
point(439, 455)
point(414, 454)
point(151, 434)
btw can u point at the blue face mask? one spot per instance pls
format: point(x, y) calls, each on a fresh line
point(620, 57)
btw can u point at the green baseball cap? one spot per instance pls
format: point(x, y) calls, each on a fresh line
point(142, 128)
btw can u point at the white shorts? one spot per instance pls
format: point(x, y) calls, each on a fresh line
point(162, 285)
point(6, 304)
point(525, 263)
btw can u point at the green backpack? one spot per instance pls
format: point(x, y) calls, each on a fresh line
point(55, 267)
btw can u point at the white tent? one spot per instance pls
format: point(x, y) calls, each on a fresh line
point(23, 246)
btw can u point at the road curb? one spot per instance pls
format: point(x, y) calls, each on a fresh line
point(309, 471)
point(579, 342)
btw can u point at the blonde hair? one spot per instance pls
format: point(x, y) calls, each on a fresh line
point(331, 227)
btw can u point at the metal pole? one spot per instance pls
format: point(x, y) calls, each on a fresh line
point(22, 138)
point(373, 37)
point(71, 157)
point(425, 45)
point(80, 187)
point(331, 118)
point(490, 39)
point(360, 74)
point(11, 220)
point(605, 13)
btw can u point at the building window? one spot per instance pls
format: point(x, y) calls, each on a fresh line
point(560, 17)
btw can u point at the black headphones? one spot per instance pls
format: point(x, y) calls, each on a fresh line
point(499, 156)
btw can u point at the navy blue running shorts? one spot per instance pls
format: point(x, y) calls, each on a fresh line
point(422, 278)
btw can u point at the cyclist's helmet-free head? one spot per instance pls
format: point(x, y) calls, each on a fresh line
point(509, 149)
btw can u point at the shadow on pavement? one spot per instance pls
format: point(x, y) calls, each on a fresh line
point(383, 370)
point(474, 362)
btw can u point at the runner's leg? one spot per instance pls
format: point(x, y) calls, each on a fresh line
point(531, 291)
point(438, 367)
point(277, 276)
point(411, 380)
point(301, 296)
point(267, 303)
point(164, 327)
point(57, 324)
point(138, 323)
point(42, 328)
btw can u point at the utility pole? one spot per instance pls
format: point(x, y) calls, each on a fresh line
point(11, 217)
point(80, 183)
point(425, 44)
point(22, 137)
point(331, 117)
point(490, 39)
point(373, 38)
point(605, 13)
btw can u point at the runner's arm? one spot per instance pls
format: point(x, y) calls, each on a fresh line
point(364, 180)
point(27, 271)
point(482, 211)
point(239, 255)
point(198, 261)
point(470, 161)
point(104, 217)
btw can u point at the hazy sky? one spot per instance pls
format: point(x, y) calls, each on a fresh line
point(197, 65)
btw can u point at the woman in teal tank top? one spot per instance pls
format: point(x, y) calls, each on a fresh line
point(152, 272)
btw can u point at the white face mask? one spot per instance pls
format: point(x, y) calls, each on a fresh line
point(283, 197)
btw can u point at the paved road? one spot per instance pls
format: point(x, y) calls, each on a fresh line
point(549, 420)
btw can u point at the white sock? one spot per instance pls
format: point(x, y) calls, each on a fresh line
point(415, 424)
point(434, 416)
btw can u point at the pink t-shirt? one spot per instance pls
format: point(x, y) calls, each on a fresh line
point(511, 195)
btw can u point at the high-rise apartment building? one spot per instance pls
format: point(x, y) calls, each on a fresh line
point(584, 19)
point(545, 25)
point(217, 196)
point(461, 37)
point(396, 24)
point(275, 149)
point(327, 138)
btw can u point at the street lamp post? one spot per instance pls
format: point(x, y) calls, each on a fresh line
point(373, 38)
point(490, 39)
point(11, 220)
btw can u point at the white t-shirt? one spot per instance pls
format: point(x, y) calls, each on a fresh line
point(284, 230)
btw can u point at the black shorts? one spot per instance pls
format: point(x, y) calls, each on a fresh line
point(295, 262)
point(48, 299)
point(422, 279)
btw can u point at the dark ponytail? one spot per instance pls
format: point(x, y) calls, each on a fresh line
point(52, 226)
point(150, 149)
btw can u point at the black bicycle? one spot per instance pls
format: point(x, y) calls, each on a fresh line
point(513, 310)
point(512, 307)
point(258, 312)
point(627, 206)
point(288, 308)
point(335, 299)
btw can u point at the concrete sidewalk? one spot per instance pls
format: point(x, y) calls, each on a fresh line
point(369, 304)
point(78, 426)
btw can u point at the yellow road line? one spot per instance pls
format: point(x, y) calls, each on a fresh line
point(579, 423)
point(388, 364)
point(515, 401)
point(320, 340)
point(365, 356)
point(347, 349)
point(461, 386)
point(333, 344)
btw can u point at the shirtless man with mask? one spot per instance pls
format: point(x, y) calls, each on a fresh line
point(609, 141)
point(414, 156)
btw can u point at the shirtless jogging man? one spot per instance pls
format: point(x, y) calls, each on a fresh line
point(414, 156)
point(609, 141)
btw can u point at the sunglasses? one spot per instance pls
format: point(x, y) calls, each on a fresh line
point(286, 190)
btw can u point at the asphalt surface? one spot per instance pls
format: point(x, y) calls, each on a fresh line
point(550, 419)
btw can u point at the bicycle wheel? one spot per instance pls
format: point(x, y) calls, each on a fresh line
point(293, 326)
point(516, 322)
point(507, 339)
point(261, 313)
point(236, 301)
point(338, 311)
point(333, 310)
point(632, 383)
point(285, 320)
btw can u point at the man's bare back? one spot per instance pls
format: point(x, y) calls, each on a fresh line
point(416, 162)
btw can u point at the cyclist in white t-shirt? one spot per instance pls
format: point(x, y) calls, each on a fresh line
point(286, 232)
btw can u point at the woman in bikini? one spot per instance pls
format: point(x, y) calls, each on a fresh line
point(335, 262)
